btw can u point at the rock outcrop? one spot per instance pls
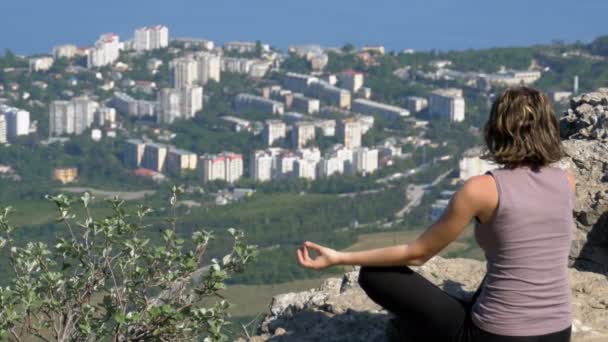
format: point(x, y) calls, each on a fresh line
point(584, 129)
point(340, 311)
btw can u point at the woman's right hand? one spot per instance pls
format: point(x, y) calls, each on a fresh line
point(327, 257)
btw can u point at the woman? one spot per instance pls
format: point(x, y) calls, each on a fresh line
point(523, 214)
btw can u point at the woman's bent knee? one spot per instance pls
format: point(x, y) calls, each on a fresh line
point(371, 276)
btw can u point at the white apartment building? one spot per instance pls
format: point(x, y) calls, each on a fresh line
point(298, 83)
point(306, 168)
point(151, 38)
point(226, 166)
point(261, 166)
point(472, 165)
point(327, 127)
point(386, 111)
point(249, 102)
point(351, 80)
point(285, 164)
point(330, 94)
point(302, 133)
point(349, 132)
point(180, 160)
point(127, 105)
point(311, 153)
point(105, 52)
point(133, 153)
point(155, 156)
point(209, 67)
point(3, 135)
point(234, 166)
point(17, 121)
point(365, 160)
point(181, 103)
point(237, 65)
point(41, 64)
point(305, 104)
point(185, 72)
point(72, 117)
point(273, 131)
point(447, 103)
point(61, 118)
point(105, 116)
point(84, 113)
point(65, 51)
point(415, 104)
point(332, 165)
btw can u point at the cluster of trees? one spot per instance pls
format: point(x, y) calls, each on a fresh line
point(104, 279)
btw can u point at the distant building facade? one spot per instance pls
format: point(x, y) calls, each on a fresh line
point(105, 52)
point(447, 103)
point(151, 38)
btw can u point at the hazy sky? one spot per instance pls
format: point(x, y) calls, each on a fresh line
point(35, 26)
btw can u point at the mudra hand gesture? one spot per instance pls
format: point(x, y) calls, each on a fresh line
point(327, 257)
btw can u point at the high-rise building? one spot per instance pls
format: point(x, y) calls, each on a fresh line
point(351, 80)
point(261, 166)
point(365, 160)
point(72, 117)
point(447, 103)
point(273, 131)
point(127, 105)
point(17, 121)
point(105, 116)
point(155, 156)
point(226, 166)
point(134, 153)
point(151, 38)
point(41, 64)
point(212, 167)
point(330, 94)
point(209, 67)
point(233, 166)
point(181, 103)
point(3, 136)
point(298, 83)
point(284, 166)
point(191, 101)
point(306, 168)
point(415, 104)
point(185, 72)
point(180, 160)
point(65, 51)
point(330, 166)
point(61, 118)
point(305, 104)
point(302, 133)
point(84, 113)
point(349, 132)
point(249, 102)
point(105, 52)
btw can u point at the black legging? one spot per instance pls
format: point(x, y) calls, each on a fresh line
point(427, 312)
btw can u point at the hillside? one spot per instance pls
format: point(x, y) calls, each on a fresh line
point(340, 311)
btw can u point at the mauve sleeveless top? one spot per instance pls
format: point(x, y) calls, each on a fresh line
point(526, 243)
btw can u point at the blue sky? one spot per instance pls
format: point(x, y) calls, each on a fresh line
point(34, 26)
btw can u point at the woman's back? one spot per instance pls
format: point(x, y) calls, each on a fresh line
point(526, 242)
